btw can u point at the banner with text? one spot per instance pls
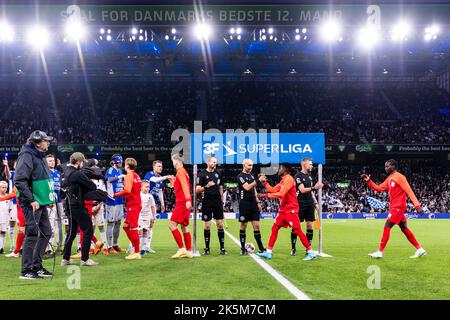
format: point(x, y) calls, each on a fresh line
point(262, 148)
point(273, 15)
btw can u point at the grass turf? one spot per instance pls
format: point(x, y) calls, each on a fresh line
point(344, 276)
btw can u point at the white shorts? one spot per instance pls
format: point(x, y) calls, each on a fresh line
point(145, 223)
point(13, 213)
point(53, 214)
point(4, 218)
point(4, 227)
point(99, 218)
point(114, 213)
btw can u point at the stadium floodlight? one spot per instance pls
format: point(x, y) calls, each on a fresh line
point(330, 31)
point(238, 30)
point(102, 31)
point(108, 37)
point(263, 37)
point(297, 37)
point(108, 31)
point(166, 37)
point(38, 37)
point(134, 31)
point(232, 31)
point(239, 37)
point(6, 32)
point(202, 31)
point(304, 30)
point(401, 31)
point(141, 37)
point(75, 30)
point(270, 30)
point(368, 37)
point(173, 31)
point(431, 32)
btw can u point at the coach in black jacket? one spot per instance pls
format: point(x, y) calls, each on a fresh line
point(77, 185)
point(34, 184)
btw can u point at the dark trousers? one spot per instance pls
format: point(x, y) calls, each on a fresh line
point(37, 235)
point(79, 217)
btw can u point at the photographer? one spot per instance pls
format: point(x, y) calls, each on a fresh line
point(78, 187)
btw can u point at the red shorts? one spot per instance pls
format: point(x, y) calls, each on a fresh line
point(180, 214)
point(20, 216)
point(288, 219)
point(132, 218)
point(89, 206)
point(396, 216)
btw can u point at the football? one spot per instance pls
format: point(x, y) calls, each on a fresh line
point(250, 247)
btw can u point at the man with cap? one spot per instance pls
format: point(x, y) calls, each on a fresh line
point(114, 208)
point(77, 185)
point(34, 184)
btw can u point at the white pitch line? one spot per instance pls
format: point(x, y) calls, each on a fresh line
point(274, 273)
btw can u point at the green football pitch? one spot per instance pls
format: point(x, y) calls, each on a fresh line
point(344, 276)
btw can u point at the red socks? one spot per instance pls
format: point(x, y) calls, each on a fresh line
point(187, 240)
point(385, 238)
point(133, 236)
point(177, 236)
point(273, 236)
point(19, 241)
point(303, 238)
point(408, 233)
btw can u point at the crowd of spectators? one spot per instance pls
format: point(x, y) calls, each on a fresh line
point(148, 113)
point(345, 191)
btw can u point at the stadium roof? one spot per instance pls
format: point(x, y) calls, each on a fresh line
point(147, 2)
point(271, 46)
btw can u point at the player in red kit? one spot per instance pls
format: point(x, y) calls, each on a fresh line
point(182, 210)
point(398, 188)
point(288, 212)
point(21, 219)
point(133, 205)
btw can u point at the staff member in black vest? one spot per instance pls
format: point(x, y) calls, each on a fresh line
point(306, 200)
point(34, 184)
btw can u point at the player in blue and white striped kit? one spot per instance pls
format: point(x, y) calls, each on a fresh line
point(114, 208)
point(156, 190)
point(157, 183)
point(55, 212)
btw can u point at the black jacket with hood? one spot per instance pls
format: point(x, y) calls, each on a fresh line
point(77, 185)
point(33, 179)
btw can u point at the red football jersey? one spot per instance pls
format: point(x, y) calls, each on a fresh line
point(286, 192)
point(182, 186)
point(131, 190)
point(398, 188)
